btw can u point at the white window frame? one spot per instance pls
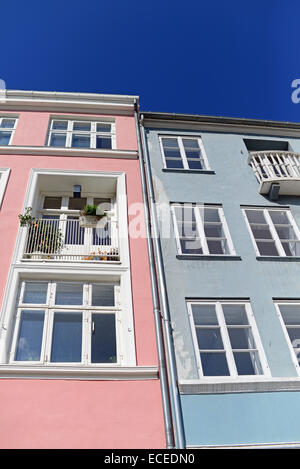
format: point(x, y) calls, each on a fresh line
point(269, 222)
point(91, 133)
point(182, 152)
point(200, 229)
point(226, 341)
point(4, 175)
point(87, 311)
point(277, 305)
point(9, 130)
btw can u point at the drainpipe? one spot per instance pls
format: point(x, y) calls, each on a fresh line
point(168, 377)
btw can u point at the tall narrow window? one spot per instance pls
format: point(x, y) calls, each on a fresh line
point(273, 231)
point(225, 338)
point(201, 230)
point(183, 153)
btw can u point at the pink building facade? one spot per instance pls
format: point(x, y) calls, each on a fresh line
point(78, 360)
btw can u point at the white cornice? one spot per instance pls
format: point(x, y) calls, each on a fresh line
point(55, 151)
point(79, 372)
point(18, 100)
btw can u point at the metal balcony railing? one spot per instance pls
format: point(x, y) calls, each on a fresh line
point(53, 239)
point(281, 167)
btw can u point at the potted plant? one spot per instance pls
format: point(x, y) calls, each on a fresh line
point(44, 236)
point(91, 215)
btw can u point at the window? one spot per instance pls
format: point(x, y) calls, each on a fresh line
point(201, 230)
point(7, 127)
point(67, 323)
point(81, 134)
point(289, 313)
point(183, 153)
point(225, 339)
point(273, 231)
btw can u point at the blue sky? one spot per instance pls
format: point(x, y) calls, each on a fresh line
point(223, 58)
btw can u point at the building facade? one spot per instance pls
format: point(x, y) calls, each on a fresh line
point(225, 196)
point(78, 354)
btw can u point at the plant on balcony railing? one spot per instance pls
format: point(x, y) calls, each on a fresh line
point(44, 236)
point(91, 215)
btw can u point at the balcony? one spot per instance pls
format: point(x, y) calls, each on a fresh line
point(55, 240)
point(276, 169)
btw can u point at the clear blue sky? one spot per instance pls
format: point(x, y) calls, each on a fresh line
point(224, 58)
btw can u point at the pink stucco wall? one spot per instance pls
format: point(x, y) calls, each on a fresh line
point(43, 414)
point(80, 414)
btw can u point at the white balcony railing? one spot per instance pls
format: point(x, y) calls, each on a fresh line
point(53, 239)
point(281, 167)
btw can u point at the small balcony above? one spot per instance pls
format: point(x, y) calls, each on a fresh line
point(56, 240)
point(276, 169)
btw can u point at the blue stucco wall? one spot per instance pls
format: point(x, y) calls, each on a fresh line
point(229, 418)
point(242, 419)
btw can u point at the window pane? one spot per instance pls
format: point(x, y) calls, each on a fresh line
point(104, 349)
point(204, 315)
point(192, 246)
point(35, 292)
point(103, 295)
point(103, 127)
point(213, 231)
point(255, 216)
point(174, 163)
point(267, 248)
point(103, 142)
point(30, 336)
point(83, 126)
point(214, 364)
point(247, 363)
point(294, 334)
point(52, 202)
point(190, 143)
point(292, 248)
point(58, 140)
point(241, 338)
point(5, 138)
point(170, 143)
point(187, 229)
point(69, 294)
point(235, 314)
point(7, 123)
point(66, 337)
point(209, 339)
point(81, 141)
point(185, 213)
point(77, 203)
point(60, 125)
point(217, 247)
point(290, 314)
point(261, 232)
point(105, 203)
point(279, 217)
point(195, 164)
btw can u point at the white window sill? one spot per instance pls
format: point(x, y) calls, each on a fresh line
point(246, 384)
point(75, 372)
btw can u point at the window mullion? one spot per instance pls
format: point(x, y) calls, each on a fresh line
point(200, 228)
point(226, 341)
point(182, 153)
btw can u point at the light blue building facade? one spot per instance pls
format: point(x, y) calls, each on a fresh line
point(227, 200)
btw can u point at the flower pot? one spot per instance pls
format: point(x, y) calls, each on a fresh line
point(91, 221)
